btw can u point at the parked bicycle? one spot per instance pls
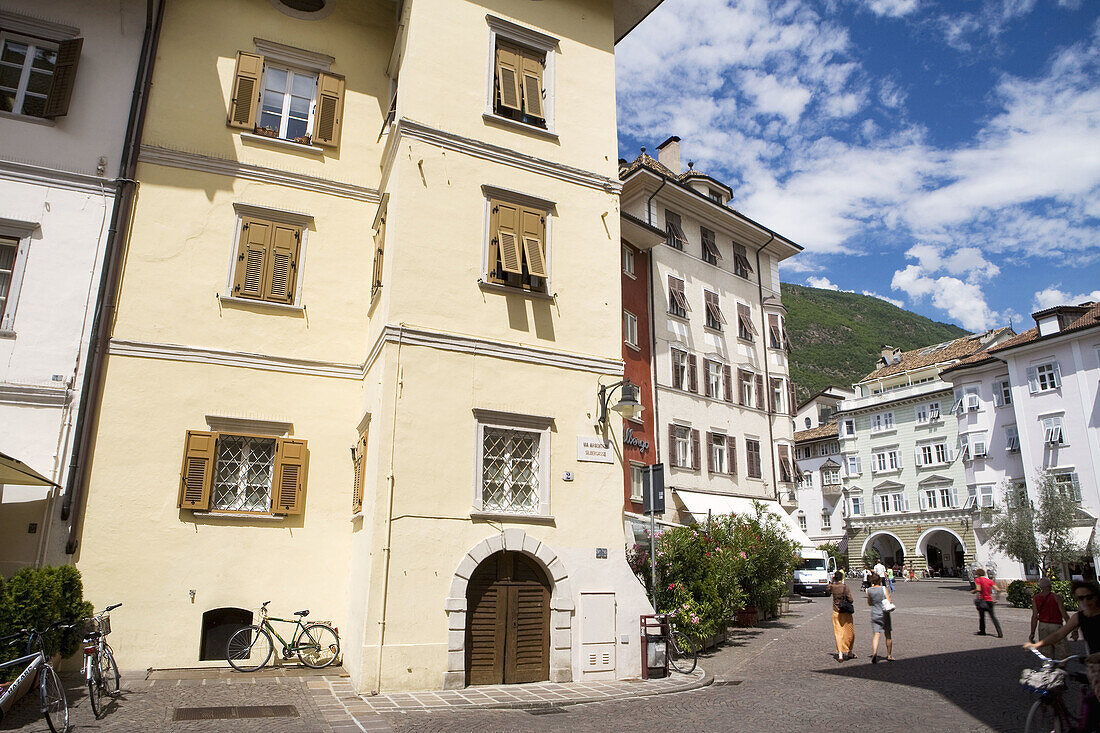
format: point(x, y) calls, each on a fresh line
point(682, 650)
point(1050, 713)
point(100, 668)
point(55, 706)
point(317, 644)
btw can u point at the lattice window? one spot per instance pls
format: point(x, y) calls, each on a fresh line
point(243, 475)
point(510, 470)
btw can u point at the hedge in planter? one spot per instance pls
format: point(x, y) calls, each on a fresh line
point(37, 597)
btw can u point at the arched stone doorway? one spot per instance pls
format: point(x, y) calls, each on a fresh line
point(561, 603)
point(944, 551)
point(887, 545)
point(507, 621)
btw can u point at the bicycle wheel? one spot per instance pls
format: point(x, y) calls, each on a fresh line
point(55, 707)
point(1046, 716)
point(96, 693)
point(317, 646)
point(249, 649)
point(683, 652)
point(108, 670)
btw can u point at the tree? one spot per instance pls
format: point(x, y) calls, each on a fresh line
point(1057, 515)
point(832, 549)
point(1013, 526)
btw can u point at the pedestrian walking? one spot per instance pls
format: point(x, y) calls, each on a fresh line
point(844, 631)
point(879, 569)
point(1048, 614)
point(866, 578)
point(985, 589)
point(890, 579)
point(880, 618)
point(1087, 621)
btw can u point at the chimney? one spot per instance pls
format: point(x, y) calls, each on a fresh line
point(668, 153)
point(887, 352)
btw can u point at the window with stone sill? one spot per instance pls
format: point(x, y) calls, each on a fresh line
point(826, 520)
point(9, 248)
point(241, 473)
point(630, 329)
point(519, 241)
point(628, 261)
point(636, 480)
point(857, 506)
point(1044, 377)
point(520, 74)
point(37, 75)
point(512, 470)
point(802, 521)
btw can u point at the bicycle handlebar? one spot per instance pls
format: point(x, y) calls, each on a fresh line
point(1050, 660)
point(108, 609)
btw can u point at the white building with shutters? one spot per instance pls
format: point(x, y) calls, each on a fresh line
point(723, 396)
point(66, 80)
point(818, 463)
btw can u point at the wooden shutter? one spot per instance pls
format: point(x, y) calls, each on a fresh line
point(246, 91)
point(791, 408)
point(742, 377)
point(282, 269)
point(64, 78)
point(534, 241)
point(485, 627)
point(706, 377)
point(288, 493)
point(197, 474)
point(693, 376)
point(710, 453)
point(330, 110)
point(507, 236)
point(695, 449)
point(672, 453)
point(531, 70)
point(508, 63)
point(773, 383)
point(252, 258)
point(379, 254)
point(760, 391)
point(731, 454)
point(359, 465)
point(727, 381)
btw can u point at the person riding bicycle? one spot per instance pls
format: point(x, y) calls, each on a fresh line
point(1087, 621)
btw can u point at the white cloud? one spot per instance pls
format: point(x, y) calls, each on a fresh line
point(966, 261)
point(891, 8)
point(893, 301)
point(786, 98)
point(1054, 295)
point(821, 282)
point(964, 302)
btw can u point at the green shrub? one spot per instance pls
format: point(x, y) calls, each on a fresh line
point(36, 598)
point(1020, 592)
point(1065, 591)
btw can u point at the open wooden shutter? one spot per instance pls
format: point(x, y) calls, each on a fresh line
point(771, 394)
point(282, 269)
point(710, 453)
point(791, 407)
point(731, 454)
point(359, 464)
point(760, 391)
point(508, 63)
point(197, 474)
point(246, 91)
point(727, 381)
point(706, 377)
point(252, 258)
point(507, 236)
point(534, 241)
point(531, 70)
point(64, 77)
point(693, 374)
point(379, 254)
point(672, 454)
point(288, 494)
point(330, 110)
point(695, 449)
point(742, 377)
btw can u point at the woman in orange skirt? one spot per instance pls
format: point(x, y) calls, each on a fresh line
point(843, 607)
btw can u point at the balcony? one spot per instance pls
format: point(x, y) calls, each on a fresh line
point(893, 395)
point(832, 489)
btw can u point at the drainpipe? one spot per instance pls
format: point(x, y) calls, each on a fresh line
point(386, 549)
point(92, 385)
point(767, 374)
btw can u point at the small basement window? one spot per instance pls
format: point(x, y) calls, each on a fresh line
point(217, 626)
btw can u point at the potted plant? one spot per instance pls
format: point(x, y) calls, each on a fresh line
point(266, 131)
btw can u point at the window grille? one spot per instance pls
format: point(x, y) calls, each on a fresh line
point(510, 470)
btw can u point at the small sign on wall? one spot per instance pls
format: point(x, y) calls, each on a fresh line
point(596, 450)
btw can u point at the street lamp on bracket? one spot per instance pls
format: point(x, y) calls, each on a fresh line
point(628, 405)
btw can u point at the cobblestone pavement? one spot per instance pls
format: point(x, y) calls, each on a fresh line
point(783, 678)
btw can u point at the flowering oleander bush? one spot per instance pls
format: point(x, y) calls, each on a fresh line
point(705, 575)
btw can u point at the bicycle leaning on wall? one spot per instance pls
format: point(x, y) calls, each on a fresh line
point(316, 644)
point(100, 668)
point(55, 707)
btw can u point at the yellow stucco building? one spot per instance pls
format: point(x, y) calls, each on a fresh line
point(370, 292)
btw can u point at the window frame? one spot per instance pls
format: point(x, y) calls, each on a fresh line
point(826, 520)
point(1012, 438)
point(271, 481)
point(742, 268)
point(1050, 423)
point(710, 254)
point(802, 521)
point(25, 72)
point(714, 388)
point(1002, 393)
point(746, 330)
point(855, 460)
point(516, 422)
point(20, 233)
point(1073, 481)
point(512, 281)
point(717, 453)
point(628, 261)
point(284, 114)
point(637, 468)
point(677, 307)
point(1047, 371)
point(532, 40)
point(304, 223)
point(674, 230)
point(883, 422)
point(713, 320)
point(856, 505)
point(749, 463)
point(630, 329)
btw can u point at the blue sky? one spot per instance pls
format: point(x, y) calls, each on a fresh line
point(944, 155)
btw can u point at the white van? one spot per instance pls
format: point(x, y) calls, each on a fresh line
point(814, 573)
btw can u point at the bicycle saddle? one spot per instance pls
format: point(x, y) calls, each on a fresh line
point(302, 613)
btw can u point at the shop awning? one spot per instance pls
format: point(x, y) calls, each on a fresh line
point(15, 472)
point(1081, 535)
point(699, 503)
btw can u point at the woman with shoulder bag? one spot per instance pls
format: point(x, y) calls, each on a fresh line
point(878, 598)
point(843, 607)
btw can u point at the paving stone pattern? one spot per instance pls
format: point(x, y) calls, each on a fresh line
point(944, 679)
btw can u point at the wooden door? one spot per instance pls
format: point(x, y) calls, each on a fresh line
point(508, 626)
